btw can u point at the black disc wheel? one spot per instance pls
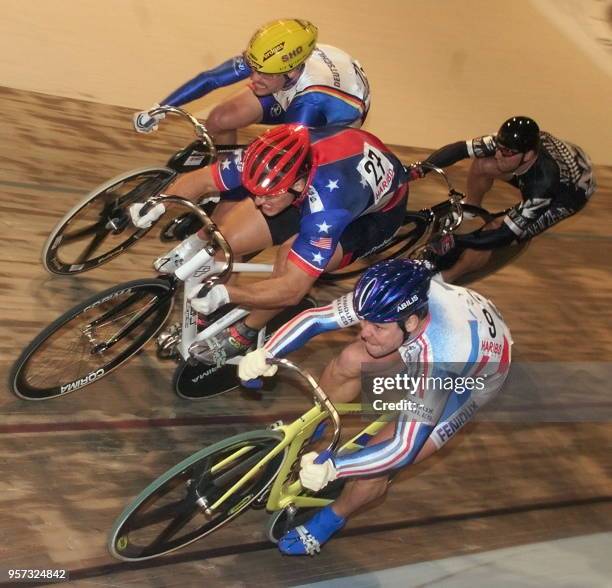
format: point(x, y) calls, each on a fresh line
point(198, 381)
point(99, 228)
point(171, 512)
point(92, 339)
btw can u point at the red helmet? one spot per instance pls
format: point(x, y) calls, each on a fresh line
point(273, 162)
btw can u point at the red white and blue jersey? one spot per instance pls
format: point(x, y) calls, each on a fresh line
point(464, 336)
point(353, 174)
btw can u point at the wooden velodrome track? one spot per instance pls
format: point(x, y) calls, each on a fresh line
point(70, 465)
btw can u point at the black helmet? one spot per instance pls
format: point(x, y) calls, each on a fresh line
point(519, 133)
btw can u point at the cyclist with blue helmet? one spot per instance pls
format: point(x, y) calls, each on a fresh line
point(441, 335)
point(555, 179)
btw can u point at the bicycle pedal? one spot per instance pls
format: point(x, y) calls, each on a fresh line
point(168, 341)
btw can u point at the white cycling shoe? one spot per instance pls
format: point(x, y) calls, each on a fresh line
point(184, 251)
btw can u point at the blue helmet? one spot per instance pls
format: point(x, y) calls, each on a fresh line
point(392, 290)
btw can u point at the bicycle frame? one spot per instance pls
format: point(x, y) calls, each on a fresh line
point(204, 268)
point(284, 491)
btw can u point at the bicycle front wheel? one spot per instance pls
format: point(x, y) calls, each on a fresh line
point(92, 339)
point(99, 228)
point(169, 513)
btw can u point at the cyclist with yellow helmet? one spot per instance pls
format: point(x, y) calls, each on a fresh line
point(292, 80)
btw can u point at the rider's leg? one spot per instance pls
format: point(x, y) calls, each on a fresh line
point(479, 180)
point(240, 110)
point(471, 260)
point(245, 229)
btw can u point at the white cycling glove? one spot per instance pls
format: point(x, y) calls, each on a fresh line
point(217, 297)
point(144, 222)
point(315, 476)
point(143, 123)
point(253, 365)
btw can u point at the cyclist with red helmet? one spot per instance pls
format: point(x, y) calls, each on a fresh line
point(292, 79)
point(451, 350)
point(327, 196)
point(555, 179)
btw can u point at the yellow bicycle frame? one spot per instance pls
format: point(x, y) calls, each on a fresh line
point(286, 489)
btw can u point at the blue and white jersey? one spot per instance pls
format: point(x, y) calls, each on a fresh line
point(353, 173)
point(464, 336)
point(332, 89)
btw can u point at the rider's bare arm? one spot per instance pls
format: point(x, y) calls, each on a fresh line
point(286, 289)
point(229, 72)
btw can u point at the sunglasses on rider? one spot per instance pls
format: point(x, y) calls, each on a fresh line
point(506, 151)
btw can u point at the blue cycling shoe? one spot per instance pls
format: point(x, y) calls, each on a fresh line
point(307, 539)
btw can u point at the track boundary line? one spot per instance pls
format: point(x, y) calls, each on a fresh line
point(120, 567)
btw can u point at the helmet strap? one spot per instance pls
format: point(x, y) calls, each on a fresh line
point(289, 80)
point(402, 326)
point(522, 162)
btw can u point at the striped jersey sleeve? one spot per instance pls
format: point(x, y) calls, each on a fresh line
point(309, 323)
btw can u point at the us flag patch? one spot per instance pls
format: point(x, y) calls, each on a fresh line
point(322, 242)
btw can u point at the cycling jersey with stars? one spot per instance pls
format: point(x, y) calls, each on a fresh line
point(340, 163)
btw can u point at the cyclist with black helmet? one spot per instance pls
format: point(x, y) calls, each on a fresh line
point(432, 329)
point(292, 79)
point(555, 179)
point(327, 196)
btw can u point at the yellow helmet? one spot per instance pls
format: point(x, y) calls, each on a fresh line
point(281, 45)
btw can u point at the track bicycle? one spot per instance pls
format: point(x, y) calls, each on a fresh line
point(100, 334)
point(98, 228)
point(250, 470)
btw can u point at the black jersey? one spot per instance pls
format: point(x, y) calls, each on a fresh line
point(557, 185)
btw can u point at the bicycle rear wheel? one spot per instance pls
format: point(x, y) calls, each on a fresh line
point(69, 354)
point(99, 228)
point(168, 515)
point(200, 381)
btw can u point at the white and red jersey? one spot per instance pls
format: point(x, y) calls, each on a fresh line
point(464, 337)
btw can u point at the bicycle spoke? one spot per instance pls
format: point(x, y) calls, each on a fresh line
point(100, 228)
point(85, 347)
point(176, 525)
point(68, 238)
point(160, 514)
point(93, 246)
